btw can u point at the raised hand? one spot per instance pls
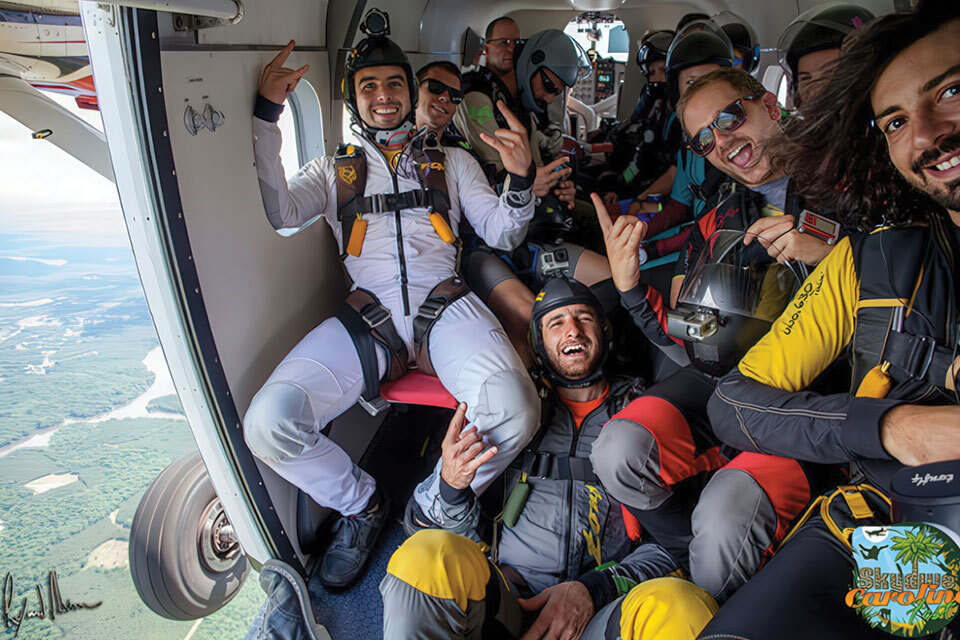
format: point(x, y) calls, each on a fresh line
point(566, 610)
point(462, 451)
point(277, 81)
point(549, 175)
point(512, 144)
point(622, 239)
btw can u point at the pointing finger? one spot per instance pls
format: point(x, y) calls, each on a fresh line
point(602, 216)
point(283, 55)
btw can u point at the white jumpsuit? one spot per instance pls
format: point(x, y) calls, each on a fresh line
point(321, 376)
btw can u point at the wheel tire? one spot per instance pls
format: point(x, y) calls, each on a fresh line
point(168, 540)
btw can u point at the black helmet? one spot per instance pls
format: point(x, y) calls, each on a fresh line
point(928, 493)
point(379, 51)
point(819, 28)
point(742, 36)
point(701, 42)
point(561, 292)
point(729, 300)
point(653, 46)
point(554, 50)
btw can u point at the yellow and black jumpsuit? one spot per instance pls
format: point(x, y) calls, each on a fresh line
point(889, 298)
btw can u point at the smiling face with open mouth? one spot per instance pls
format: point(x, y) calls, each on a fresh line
point(738, 152)
point(383, 99)
point(917, 105)
point(435, 111)
point(573, 340)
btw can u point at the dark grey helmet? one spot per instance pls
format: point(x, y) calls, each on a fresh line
point(379, 51)
point(700, 42)
point(653, 46)
point(554, 50)
point(819, 28)
point(561, 292)
point(742, 36)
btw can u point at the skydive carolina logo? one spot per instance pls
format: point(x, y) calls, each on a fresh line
point(907, 578)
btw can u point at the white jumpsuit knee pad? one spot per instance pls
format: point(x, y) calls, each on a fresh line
point(509, 401)
point(279, 424)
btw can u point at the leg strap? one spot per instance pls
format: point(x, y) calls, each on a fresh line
point(367, 320)
point(441, 297)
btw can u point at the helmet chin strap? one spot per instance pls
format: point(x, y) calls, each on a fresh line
point(559, 381)
point(394, 138)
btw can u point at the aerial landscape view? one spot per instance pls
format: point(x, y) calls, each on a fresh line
point(88, 413)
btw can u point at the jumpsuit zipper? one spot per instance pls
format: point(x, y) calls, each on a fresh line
point(403, 263)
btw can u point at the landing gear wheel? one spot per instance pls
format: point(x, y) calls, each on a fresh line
point(184, 557)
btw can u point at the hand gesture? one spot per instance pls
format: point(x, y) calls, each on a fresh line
point(549, 175)
point(622, 239)
point(566, 610)
point(783, 242)
point(566, 191)
point(462, 451)
point(277, 81)
point(512, 144)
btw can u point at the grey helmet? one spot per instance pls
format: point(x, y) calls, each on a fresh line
point(700, 42)
point(550, 49)
point(743, 37)
point(819, 28)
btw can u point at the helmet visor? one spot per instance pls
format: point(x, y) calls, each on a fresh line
point(731, 277)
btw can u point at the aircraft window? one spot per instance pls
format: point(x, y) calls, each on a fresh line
point(301, 124)
point(784, 90)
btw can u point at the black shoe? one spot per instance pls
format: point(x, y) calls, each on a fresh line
point(354, 537)
point(287, 614)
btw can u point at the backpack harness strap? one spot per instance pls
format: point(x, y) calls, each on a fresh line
point(367, 320)
point(441, 296)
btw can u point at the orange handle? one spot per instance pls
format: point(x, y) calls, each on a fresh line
point(357, 234)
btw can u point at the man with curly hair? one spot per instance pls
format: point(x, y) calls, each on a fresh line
point(880, 145)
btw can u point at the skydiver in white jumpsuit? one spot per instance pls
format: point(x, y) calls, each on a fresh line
point(402, 258)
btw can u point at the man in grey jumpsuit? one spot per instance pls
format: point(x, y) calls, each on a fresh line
point(403, 257)
point(563, 545)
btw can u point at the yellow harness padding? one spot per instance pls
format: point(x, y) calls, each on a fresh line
point(665, 609)
point(442, 565)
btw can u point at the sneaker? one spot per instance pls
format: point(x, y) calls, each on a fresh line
point(354, 538)
point(287, 614)
point(462, 519)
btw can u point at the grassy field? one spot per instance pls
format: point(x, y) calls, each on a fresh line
point(72, 343)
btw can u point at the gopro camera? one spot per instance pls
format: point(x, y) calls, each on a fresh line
point(375, 24)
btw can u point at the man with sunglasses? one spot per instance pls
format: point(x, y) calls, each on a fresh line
point(439, 95)
point(879, 143)
point(719, 512)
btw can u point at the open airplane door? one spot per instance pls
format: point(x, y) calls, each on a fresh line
point(229, 296)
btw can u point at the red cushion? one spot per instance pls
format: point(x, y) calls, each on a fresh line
point(418, 388)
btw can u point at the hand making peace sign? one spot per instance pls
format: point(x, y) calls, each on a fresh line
point(277, 81)
point(511, 144)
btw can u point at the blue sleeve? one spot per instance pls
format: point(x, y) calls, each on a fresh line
point(681, 183)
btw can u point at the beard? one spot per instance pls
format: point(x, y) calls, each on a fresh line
point(575, 370)
point(947, 197)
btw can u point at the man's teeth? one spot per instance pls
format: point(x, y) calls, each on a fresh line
point(386, 111)
point(733, 153)
point(949, 164)
point(574, 348)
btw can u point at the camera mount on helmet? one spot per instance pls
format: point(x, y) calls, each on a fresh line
point(562, 292)
point(729, 300)
point(377, 50)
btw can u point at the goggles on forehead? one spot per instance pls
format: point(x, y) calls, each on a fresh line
point(437, 88)
point(730, 118)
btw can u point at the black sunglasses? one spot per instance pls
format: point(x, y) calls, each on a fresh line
point(730, 118)
point(548, 85)
point(507, 41)
point(437, 88)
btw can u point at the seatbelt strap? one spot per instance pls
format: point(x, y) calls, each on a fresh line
point(359, 331)
point(919, 356)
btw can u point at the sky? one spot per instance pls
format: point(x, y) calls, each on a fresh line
point(46, 190)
